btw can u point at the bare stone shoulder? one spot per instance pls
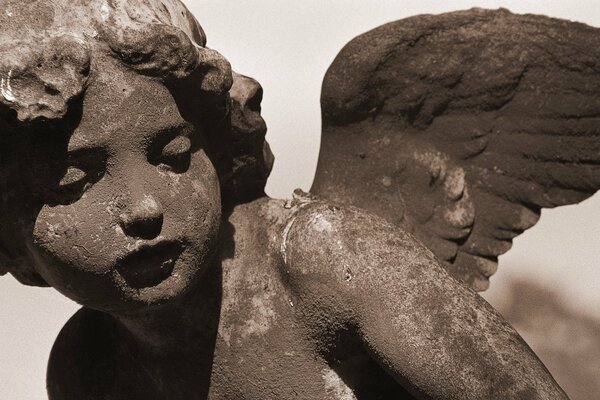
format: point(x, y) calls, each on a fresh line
point(331, 254)
point(320, 234)
point(351, 272)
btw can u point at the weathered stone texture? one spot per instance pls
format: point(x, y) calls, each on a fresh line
point(460, 127)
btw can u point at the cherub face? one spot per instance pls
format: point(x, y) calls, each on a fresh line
point(133, 213)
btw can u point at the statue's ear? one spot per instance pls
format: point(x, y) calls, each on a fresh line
point(250, 152)
point(19, 268)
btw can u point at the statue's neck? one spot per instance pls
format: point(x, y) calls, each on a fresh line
point(184, 326)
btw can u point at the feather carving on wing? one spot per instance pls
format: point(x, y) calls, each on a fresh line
point(461, 127)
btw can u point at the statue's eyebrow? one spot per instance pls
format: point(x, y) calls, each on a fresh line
point(181, 128)
point(161, 137)
point(164, 135)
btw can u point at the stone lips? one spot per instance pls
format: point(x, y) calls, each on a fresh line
point(149, 265)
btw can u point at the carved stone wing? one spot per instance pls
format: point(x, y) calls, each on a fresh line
point(461, 127)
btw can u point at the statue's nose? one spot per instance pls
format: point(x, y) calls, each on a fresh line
point(144, 219)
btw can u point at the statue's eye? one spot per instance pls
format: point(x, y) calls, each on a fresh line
point(73, 185)
point(84, 170)
point(73, 177)
point(176, 154)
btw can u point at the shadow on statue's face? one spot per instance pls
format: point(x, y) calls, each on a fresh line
point(133, 210)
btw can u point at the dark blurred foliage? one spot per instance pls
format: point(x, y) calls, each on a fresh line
point(565, 339)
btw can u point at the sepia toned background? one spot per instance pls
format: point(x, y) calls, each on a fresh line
point(548, 285)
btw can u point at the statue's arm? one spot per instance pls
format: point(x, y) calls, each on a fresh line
point(437, 338)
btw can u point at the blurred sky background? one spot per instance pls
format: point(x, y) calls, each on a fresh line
point(548, 285)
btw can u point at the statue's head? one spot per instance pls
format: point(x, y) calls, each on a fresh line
point(116, 148)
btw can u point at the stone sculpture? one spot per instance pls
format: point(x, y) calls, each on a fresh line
point(132, 168)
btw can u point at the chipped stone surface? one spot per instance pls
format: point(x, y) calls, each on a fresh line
point(40, 78)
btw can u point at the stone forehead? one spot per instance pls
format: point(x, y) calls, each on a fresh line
point(118, 107)
point(22, 20)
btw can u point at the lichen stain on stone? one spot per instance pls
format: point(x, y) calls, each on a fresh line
point(52, 230)
point(335, 387)
point(454, 185)
point(262, 315)
point(196, 187)
point(104, 11)
point(386, 181)
point(433, 161)
point(230, 303)
point(320, 224)
point(149, 203)
point(119, 230)
point(460, 214)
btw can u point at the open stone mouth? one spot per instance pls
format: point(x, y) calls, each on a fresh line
point(149, 265)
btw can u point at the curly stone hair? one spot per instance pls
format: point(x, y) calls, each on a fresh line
point(46, 62)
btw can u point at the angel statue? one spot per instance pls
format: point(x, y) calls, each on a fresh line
point(132, 168)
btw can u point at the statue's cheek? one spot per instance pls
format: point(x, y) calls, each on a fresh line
point(62, 252)
point(68, 239)
point(197, 197)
